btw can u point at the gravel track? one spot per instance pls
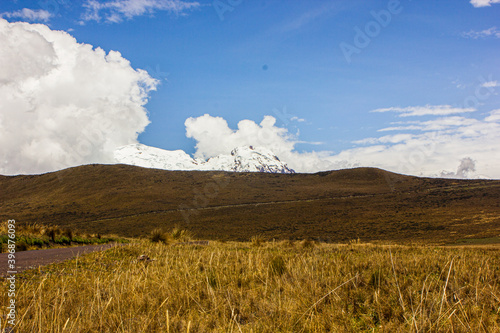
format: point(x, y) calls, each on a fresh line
point(35, 258)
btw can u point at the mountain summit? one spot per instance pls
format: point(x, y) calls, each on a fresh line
point(241, 159)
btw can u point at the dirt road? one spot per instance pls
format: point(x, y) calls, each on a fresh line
point(32, 259)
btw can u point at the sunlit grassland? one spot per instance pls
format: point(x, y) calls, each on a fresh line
point(265, 287)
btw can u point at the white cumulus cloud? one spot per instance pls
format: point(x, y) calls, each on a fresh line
point(214, 136)
point(115, 11)
point(27, 14)
point(437, 146)
point(483, 3)
point(63, 103)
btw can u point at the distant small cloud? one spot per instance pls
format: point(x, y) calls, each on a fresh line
point(483, 3)
point(490, 32)
point(295, 118)
point(434, 110)
point(392, 139)
point(31, 15)
point(440, 124)
point(116, 11)
point(490, 84)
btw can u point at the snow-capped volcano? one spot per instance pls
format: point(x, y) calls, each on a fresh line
point(241, 159)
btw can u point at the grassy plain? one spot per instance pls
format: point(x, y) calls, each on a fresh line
point(262, 286)
point(281, 256)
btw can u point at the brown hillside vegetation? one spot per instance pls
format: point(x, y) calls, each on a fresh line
point(338, 206)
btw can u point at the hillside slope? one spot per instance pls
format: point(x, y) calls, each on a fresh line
point(365, 203)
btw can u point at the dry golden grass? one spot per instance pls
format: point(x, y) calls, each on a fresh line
point(37, 236)
point(274, 287)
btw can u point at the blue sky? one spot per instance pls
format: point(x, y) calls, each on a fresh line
point(285, 59)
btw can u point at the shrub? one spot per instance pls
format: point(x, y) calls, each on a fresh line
point(38, 242)
point(63, 240)
point(68, 233)
point(52, 233)
point(81, 240)
point(4, 239)
point(21, 246)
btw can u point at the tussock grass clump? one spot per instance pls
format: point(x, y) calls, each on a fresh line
point(33, 228)
point(181, 234)
point(158, 235)
point(307, 243)
point(37, 236)
point(236, 287)
point(277, 266)
point(257, 240)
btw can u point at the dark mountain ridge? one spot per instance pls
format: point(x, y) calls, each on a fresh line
point(366, 203)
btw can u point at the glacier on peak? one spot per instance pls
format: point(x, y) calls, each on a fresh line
point(241, 159)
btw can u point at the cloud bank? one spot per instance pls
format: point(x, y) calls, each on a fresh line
point(116, 11)
point(434, 147)
point(490, 32)
point(63, 103)
point(434, 110)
